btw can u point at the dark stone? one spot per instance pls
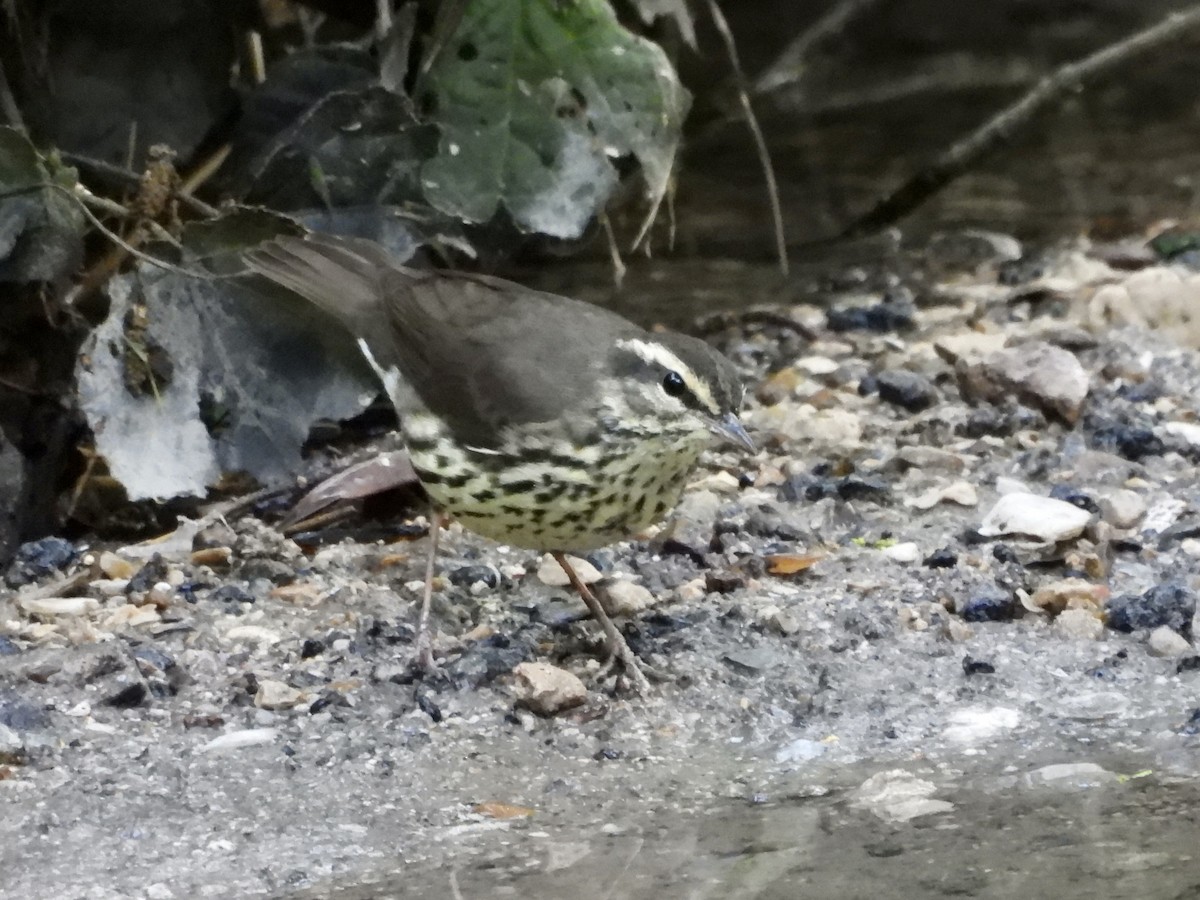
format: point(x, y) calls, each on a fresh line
point(7, 647)
point(1012, 272)
point(607, 754)
point(128, 697)
point(972, 666)
point(1192, 725)
point(275, 571)
point(215, 534)
point(1187, 664)
point(1075, 497)
point(986, 421)
point(942, 559)
point(465, 576)
point(231, 593)
point(1003, 553)
point(311, 647)
point(1169, 604)
point(37, 559)
point(1130, 441)
point(896, 312)
point(868, 385)
point(909, 390)
point(427, 705)
point(724, 582)
point(988, 607)
point(853, 487)
point(152, 657)
point(20, 715)
point(154, 571)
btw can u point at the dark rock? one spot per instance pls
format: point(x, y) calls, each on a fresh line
point(133, 694)
point(465, 576)
point(7, 647)
point(37, 559)
point(230, 594)
point(972, 666)
point(773, 523)
point(311, 647)
point(1075, 497)
point(1003, 553)
point(942, 559)
point(427, 705)
point(988, 607)
point(724, 582)
point(909, 390)
point(1192, 725)
point(154, 571)
point(868, 385)
point(20, 715)
point(1187, 664)
point(853, 487)
point(1169, 604)
point(1013, 272)
point(275, 571)
point(1130, 441)
point(986, 421)
point(896, 312)
point(152, 658)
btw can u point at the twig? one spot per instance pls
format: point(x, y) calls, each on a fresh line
point(614, 252)
point(128, 176)
point(962, 155)
point(788, 67)
point(760, 142)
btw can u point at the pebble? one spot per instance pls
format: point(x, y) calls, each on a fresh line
point(128, 615)
point(1039, 373)
point(235, 740)
point(549, 572)
point(277, 695)
point(37, 559)
point(1070, 593)
point(1170, 604)
point(822, 429)
point(1080, 624)
point(1162, 514)
point(1168, 643)
point(114, 566)
point(1133, 442)
point(800, 750)
point(692, 591)
point(1044, 518)
point(58, 606)
point(969, 345)
point(547, 690)
point(921, 457)
point(909, 390)
point(1122, 508)
point(1069, 775)
point(994, 606)
point(899, 796)
point(978, 725)
point(724, 483)
point(962, 493)
point(906, 552)
point(254, 634)
point(624, 598)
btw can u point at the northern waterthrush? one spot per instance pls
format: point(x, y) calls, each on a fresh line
point(533, 419)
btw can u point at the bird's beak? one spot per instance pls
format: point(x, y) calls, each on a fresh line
point(730, 429)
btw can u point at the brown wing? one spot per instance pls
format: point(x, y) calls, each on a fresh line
point(480, 352)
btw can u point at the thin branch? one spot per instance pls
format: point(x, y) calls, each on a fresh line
point(614, 252)
point(131, 178)
point(788, 67)
point(760, 142)
point(1001, 127)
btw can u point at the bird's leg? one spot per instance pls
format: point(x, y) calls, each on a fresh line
point(615, 643)
point(424, 642)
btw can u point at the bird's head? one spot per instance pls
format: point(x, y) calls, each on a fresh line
point(681, 384)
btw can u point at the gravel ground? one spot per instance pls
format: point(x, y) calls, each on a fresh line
point(962, 566)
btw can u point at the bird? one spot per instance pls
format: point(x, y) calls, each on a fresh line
point(533, 419)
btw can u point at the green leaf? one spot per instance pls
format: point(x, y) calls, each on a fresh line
point(534, 98)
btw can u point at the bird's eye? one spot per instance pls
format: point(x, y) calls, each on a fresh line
point(673, 384)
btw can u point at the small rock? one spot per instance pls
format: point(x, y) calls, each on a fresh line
point(988, 607)
point(899, 796)
point(1079, 624)
point(254, 634)
point(800, 750)
point(961, 492)
point(1169, 604)
point(978, 725)
point(235, 740)
point(692, 591)
point(1162, 514)
point(783, 622)
point(968, 345)
point(277, 695)
point(724, 483)
point(1038, 373)
point(1130, 441)
point(944, 558)
point(214, 535)
point(1122, 508)
point(909, 390)
point(895, 313)
point(624, 598)
point(1189, 431)
point(1070, 593)
point(114, 566)
point(152, 572)
point(37, 559)
point(467, 576)
point(907, 552)
point(931, 458)
point(546, 689)
point(550, 573)
point(691, 528)
point(1070, 775)
point(1167, 643)
point(58, 606)
point(1044, 518)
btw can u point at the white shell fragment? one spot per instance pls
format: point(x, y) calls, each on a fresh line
point(1043, 518)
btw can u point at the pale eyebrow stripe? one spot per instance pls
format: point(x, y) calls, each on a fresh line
point(657, 354)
